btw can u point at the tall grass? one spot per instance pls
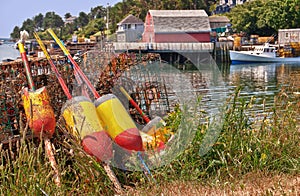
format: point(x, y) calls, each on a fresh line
point(269, 145)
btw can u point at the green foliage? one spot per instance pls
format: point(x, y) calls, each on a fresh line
point(28, 25)
point(67, 15)
point(265, 17)
point(93, 27)
point(16, 32)
point(267, 145)
point(82, 20)
point(38, 21)
point(52, 20)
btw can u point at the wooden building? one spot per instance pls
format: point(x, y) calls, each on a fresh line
point(176, 26)
point(287, 36)
point(130, 29)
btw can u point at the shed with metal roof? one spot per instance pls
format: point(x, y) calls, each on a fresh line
point(176, 26)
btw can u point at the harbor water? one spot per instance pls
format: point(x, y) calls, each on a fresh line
point(7, 51)
point(258, 81)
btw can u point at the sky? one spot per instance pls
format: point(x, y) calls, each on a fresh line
point(15, 12)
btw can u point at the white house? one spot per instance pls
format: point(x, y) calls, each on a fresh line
point(130, 29)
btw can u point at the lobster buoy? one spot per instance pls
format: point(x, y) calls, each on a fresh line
point(118, 123)
point(39, 112)
point(82, 121)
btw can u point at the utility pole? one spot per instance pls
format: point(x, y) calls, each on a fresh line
point(107, 16)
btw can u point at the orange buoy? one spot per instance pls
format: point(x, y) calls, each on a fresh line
point(150, 142)
point(82, 121)
point(39, 112)
point(117, 122)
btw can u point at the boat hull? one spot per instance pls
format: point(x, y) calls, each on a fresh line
point(240, 57)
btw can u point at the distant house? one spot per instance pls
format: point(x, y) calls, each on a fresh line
point(130, 29)
point(287, 36)
point(226, 5)
point(70, 20)
point(176, 26)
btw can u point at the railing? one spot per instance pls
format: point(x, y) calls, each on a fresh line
point(187, 47)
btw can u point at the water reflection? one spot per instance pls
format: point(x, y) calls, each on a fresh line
point(263, 81)
point(260, 80)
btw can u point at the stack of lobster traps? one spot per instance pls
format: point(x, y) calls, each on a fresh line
point(106, 71)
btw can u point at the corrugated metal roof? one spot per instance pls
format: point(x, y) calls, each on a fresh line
point(288, 30)
point(130, 19)
point(178, 13)
point(178, 21)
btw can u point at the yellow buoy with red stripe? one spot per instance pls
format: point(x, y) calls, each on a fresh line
point(82, 121)
point(117, 122)
point(39, 112)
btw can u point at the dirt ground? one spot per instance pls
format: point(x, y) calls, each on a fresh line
point(250, 184)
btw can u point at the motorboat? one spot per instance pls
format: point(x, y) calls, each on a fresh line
point(264, 54)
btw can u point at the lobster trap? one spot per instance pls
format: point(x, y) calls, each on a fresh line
point(129, 70)
point(107, 71)
point(12, 82)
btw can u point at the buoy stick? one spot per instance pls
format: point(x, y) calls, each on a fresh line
point(53, 67)
point(47, 142)
point(113, 178)
point(50, 154)
point(134, 104)
point(26, 65)
point(76, 66)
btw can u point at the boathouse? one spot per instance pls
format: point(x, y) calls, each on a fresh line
point(176, 26)
point(130, 29)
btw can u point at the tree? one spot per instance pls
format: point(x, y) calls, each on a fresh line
point(97, 12)
point(82, 20)
point(52, 20)
point(265, 17)
point(68, 15)
point(16, 33)
point(38, 21)
point(93, 27)
point(29, 26)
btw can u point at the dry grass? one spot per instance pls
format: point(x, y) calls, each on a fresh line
point(250, 184)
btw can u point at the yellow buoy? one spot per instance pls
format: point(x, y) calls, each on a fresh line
point(82, 121)
point(118, 123)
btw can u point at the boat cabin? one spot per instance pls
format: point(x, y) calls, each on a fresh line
point(266, 50)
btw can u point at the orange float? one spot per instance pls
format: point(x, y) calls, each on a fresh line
point(39, 112)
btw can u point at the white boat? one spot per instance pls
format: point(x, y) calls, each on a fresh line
point(263, 54)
